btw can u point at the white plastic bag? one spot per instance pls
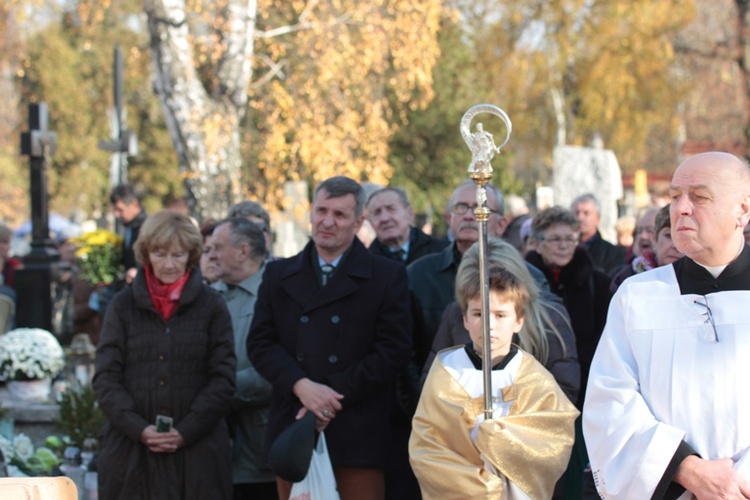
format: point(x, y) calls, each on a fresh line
point(320, 483)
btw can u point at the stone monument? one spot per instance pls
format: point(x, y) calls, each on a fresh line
point(580, 170)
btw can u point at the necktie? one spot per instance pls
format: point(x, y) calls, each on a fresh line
point(326, 271)
point(398, 255)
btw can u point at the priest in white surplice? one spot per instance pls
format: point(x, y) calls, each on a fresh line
point(667, 412)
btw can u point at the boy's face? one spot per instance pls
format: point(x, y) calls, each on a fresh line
point(503, 324)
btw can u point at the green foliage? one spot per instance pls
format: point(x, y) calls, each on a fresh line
point(80, 415)
point(20, 453)
point(429, 157)
point(99, 257)
point(339, 96)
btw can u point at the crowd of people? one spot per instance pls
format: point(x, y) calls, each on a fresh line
point(615, 371)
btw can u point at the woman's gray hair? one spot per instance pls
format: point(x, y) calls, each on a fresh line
point(551, 216)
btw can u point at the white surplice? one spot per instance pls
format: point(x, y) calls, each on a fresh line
point(659, 377)
point(458, 364)
point(518, 454)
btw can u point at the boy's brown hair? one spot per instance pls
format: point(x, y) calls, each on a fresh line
point(502, 282)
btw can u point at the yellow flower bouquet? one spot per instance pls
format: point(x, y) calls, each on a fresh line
point(99, 256)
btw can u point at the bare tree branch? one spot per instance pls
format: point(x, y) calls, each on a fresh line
point(284, 30)
point(274, 70)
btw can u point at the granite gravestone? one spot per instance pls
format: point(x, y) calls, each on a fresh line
point(580, 170)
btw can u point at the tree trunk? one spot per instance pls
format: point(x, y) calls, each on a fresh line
point(204, 126)
point(743, 6)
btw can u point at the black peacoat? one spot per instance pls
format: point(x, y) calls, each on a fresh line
point(353, 335)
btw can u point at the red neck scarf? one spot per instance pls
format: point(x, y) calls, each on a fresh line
point(165, 298)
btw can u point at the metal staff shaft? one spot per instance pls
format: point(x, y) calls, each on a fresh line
point(482, 214)
point(483, 149)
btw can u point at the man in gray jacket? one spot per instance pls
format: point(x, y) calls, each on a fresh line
point(238, 249)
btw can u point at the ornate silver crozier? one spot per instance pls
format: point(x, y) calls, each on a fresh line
point(483, 149)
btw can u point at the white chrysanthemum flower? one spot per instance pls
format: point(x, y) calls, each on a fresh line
point(30, 353)
point(23, 446)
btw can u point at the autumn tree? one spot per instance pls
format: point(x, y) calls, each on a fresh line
point(569, 70)
point(427, 153)
point(356, 68)
point(203, 115)
point(14, 185)
point(324, 72)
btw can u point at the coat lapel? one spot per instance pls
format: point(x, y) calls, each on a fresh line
point(301, 284)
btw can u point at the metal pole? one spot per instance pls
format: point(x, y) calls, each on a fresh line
point(483, 149)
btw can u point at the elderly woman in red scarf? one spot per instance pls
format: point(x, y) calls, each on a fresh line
point(165, 355)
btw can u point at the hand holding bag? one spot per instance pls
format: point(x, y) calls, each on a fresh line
point(320, 483)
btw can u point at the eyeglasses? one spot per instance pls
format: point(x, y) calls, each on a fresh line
point(709, 317)
point(461, 208)
point(556, 240)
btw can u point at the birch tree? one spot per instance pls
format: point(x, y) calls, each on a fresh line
point(203, 115)
point(330, 76)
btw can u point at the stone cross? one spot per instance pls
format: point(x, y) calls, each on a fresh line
point(124, 142)
point(34, 283)
point(39, 144)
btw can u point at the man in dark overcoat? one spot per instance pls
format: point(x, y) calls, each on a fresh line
point(391, 215)
point(331, 330)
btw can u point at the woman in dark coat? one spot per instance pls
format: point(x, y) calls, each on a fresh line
point(166, 349)
point(585, 292)
point(571, 275)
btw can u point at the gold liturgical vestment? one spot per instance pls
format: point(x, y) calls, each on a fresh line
point(527, 443)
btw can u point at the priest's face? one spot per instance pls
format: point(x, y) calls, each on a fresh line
point(558, 245)
point(710, 206)
point(504, 323)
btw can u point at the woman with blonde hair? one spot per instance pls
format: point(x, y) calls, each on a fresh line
point(546, 333)
point(165, 368)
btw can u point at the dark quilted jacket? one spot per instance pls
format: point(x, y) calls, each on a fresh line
point(183, 368)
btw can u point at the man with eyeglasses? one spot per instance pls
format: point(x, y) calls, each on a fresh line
point(666, 414)
point(432, 278)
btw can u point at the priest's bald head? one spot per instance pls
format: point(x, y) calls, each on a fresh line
point(710, 207)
